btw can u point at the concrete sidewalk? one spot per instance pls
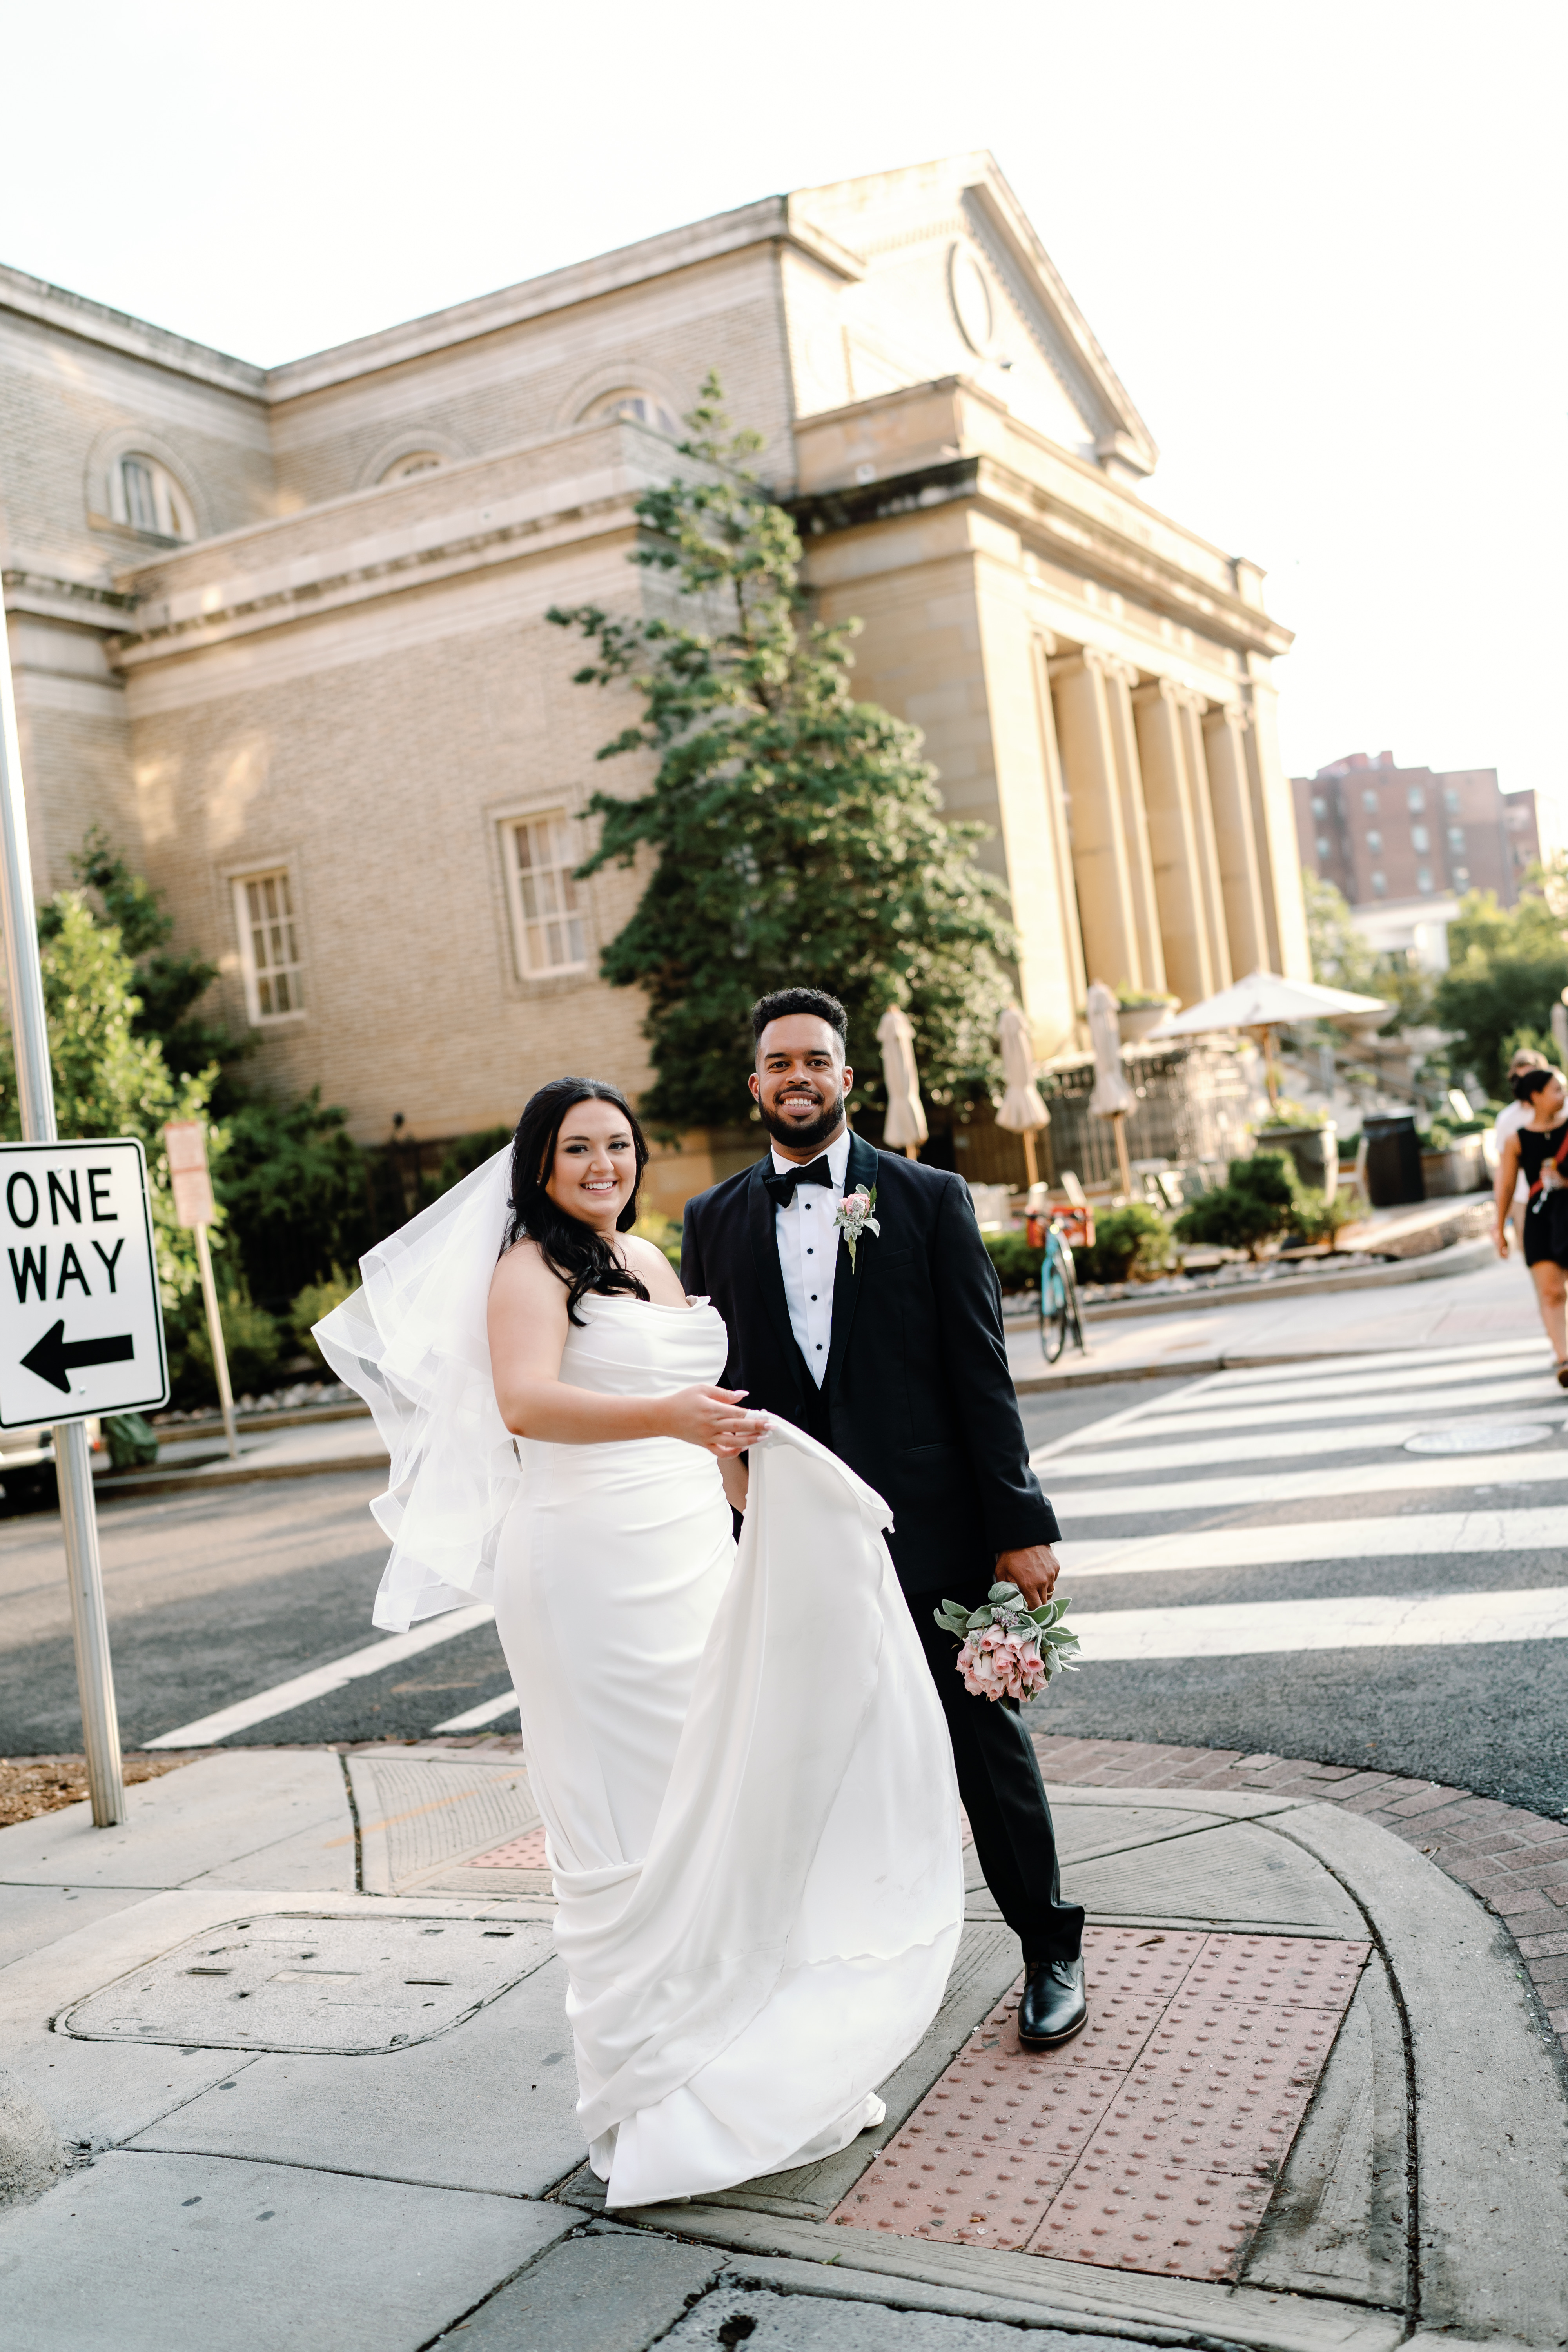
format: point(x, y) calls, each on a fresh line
point(1491, 1300)
point(300, 2028)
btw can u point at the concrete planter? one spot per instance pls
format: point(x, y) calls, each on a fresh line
point(1314, 1150)
point(1136, 1022)
point(1461, 1169)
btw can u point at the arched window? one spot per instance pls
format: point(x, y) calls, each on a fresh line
point(642, 405)
point(145, 497)
point(418, 461)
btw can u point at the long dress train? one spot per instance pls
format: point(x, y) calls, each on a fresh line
point(743, 1770)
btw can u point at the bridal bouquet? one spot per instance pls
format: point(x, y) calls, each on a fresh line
point(1008, 1651)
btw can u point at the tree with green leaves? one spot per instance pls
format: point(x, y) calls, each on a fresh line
point(1508, 966)
point(798, 833)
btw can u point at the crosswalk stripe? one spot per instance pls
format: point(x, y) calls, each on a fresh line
point(1298, 1410)
point(1368, 1620)
point(1203, 1453)
point(1413, 1477)
point(1415, 1535)
point(208, 1730)
point(1351, 1384)
point(1311, 1367)
point(475, 1718)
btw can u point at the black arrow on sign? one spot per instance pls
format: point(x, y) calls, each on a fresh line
point(53, 1359)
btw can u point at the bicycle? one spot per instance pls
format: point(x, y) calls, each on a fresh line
point(1059, 1302)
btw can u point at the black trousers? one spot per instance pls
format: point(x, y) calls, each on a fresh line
point(1001, 1789)
point(999, 1784)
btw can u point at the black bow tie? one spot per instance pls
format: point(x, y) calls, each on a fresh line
point(782, 1182)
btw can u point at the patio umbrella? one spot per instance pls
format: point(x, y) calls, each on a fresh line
point(1022, 1111)
point(906, 1122)
point(1112, 1097)
point(1263, 1002)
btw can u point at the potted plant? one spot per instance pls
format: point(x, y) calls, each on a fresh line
point(1310, 1138)
point(1139, 1011)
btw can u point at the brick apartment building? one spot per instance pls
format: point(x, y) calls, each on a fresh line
point(1381, 832)
point(281, 631)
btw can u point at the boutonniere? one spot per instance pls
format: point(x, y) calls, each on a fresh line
point(855, 1215)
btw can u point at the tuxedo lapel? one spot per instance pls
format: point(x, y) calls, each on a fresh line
point(765, 1261)
point(860, 1176)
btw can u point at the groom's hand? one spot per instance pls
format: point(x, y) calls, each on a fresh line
point(1034, 1571)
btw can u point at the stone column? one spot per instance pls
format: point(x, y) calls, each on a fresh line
point(1059, 816)
point(1274, 827)
point(1180, 839)
point(1192, 706)
point(1230, 788)
point(1109, 835)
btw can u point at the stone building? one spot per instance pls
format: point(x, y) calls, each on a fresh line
point(1381, 832)
point(280, 631)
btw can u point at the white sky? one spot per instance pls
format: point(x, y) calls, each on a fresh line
point(1322, 244)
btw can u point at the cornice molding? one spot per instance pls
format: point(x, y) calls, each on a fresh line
point(50, 596)
point(72, 314)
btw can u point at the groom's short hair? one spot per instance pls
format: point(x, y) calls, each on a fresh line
point(782, 1002)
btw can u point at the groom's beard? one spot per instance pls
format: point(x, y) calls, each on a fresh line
point(805, 1136)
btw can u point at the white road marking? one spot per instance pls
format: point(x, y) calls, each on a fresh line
point(1353, 1385)
point(1203, 1453)
point(1415, 1535)
point(1316, 1367)
point(210, 1729)
point(475, 1716)
point(1400, 1478)
point(1221, 1414)
point(1370, 1621)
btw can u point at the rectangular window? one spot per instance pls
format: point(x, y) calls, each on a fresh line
point(1424, 879)
point(1379, 885)
point(1417, 798)
point(1420, 838)
point(546, 906)
point(1374, 842)
point(269, 946)
point(1456, 836)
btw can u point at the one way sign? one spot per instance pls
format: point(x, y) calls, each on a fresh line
point(80, 1327)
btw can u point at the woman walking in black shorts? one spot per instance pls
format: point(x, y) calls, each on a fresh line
point(1541, 1151)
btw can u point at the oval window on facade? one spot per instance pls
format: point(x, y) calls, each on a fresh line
point(972, 307)
point(144, 496)
point(640, 405)
point(418, 461)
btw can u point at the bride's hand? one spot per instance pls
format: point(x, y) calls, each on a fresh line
point(713, 1419)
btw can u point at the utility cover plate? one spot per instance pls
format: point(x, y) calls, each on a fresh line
point(295, 1981)
point(1479, 1437)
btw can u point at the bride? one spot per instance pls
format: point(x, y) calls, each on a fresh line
point(742, 1765)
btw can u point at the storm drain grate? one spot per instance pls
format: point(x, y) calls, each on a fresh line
point(1151, 2142)
point(295, 1981)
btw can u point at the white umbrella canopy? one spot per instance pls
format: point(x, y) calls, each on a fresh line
point(1264, 1000)
point(905, 1128)
point(1022, 1109)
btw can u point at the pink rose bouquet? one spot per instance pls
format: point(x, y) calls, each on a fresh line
point(1005, 1650)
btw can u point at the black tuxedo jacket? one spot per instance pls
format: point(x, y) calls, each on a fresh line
point(916, 1397)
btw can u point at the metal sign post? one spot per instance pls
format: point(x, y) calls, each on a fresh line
point(185, 1140)
point(35, 1086)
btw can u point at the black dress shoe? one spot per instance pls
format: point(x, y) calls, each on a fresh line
point(1054, 2006)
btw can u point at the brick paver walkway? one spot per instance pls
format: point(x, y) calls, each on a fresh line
point(1517, 1862)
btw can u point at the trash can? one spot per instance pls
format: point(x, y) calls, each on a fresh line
point(1392, 1159)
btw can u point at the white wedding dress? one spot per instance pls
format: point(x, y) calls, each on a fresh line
point(743, 1770)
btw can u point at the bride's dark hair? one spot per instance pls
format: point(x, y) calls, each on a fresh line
point(575, 1251)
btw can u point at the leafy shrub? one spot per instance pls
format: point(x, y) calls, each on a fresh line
point(253, 1342)
point(1289, 1114)
point(1259, 1200)
point(1319, 1219)
point(1129, 1242)
point(664, 1234)
point(1018, 1265)
point(319, 1299)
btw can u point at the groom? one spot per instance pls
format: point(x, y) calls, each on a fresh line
point(897, 1362)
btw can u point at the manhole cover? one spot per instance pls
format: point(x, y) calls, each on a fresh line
point(1479, 1437)
point(291, 1981)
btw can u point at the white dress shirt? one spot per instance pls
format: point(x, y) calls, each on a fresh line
point(808, 1253)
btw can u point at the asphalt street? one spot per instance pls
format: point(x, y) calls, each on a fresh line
point(1259, 1561)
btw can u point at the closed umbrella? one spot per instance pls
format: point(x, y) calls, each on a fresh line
point(1262, 1003)
point(1112, 1097)
point(1022, 1111)
point(905, 1128)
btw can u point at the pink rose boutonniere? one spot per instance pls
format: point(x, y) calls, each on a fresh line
point(855, 1215)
